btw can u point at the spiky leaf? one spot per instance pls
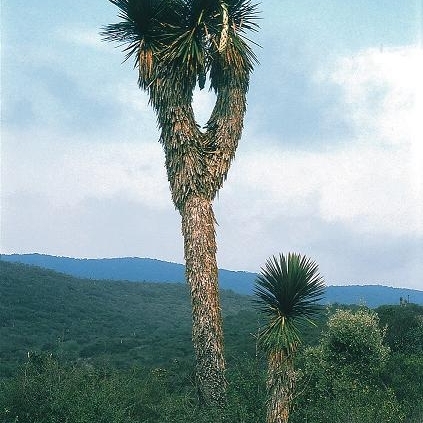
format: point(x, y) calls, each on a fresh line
point(288, 291)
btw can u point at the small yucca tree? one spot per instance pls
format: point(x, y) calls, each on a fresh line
point(178, 45)
point(287, 291)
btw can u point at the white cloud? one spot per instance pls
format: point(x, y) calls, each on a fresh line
point(364, 187)
point(371, 183)
point(383, 92)
point(367, 183)
point(133, 99)
point(275, 198)
point(70, 172)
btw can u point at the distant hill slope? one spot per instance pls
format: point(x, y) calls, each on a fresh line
point(131, 269)
point(119, 322)
point(144, 269)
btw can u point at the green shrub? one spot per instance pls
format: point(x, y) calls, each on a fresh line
point(44, 391)
point(341, 377)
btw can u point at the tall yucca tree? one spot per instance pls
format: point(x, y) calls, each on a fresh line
point(287, 291)
point(176, 45)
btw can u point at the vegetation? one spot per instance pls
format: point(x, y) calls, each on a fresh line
point(345, 370)
point(120, 324)
point(404, 327)
point(288, 290)
point(47, 391)
point(177, 45)
point(404, 370)
point(90, 376)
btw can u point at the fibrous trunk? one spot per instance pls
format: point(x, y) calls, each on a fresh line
point(197, 163)
point(280, 387)
point(201, 273)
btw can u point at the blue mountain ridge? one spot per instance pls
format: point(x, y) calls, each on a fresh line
point(136, 269)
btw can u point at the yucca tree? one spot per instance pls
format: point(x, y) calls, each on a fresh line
point(178, 45)
point(287, 291)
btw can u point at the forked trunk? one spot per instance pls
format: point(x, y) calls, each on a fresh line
point(201, 272)
point(177, 45)
point(280, 387)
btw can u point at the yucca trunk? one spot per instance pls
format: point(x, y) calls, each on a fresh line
point(280, 387)
point(178, 45)
point(197, 164)
point(201, 273)
point(193, 186)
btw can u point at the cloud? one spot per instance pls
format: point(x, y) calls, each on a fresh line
point(95, 227)
point(383, 93)
point(365, 187)
point(329, 164)
point(203, 103)
point(366, 182)
point(71, 172)
point(344, 255)
point(383, 98)
point(361, 196)
point(86, 199)
point(287, 101)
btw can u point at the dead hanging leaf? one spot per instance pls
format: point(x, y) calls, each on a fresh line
point(225, 28)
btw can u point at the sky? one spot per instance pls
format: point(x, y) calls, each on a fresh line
point(330, 163)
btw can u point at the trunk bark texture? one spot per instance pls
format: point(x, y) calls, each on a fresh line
point(201, 274)
point(280, 387)
point(197, 164)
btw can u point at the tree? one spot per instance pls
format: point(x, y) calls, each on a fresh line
point(287, 290)
point(354, 344)
point(342, 376)
point(404, 324)
point(177, 44)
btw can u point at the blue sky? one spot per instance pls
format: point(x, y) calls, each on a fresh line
point(330, 163)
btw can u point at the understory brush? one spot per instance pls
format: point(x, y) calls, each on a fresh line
point(47, 391)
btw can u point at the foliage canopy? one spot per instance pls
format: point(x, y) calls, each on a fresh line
point(288, 291)
point(178, 42)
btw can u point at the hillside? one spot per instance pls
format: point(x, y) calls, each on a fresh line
point(97, 344)
point(132, 269)
point(119, 322)
point(144, 269)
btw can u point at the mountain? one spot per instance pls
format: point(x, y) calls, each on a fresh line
point(131, 269)
point(151, 270)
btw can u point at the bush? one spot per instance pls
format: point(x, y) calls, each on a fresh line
point(44, 391)
point(404, 374)
point(354, 344)
point(404, 327)
point(341, 377)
